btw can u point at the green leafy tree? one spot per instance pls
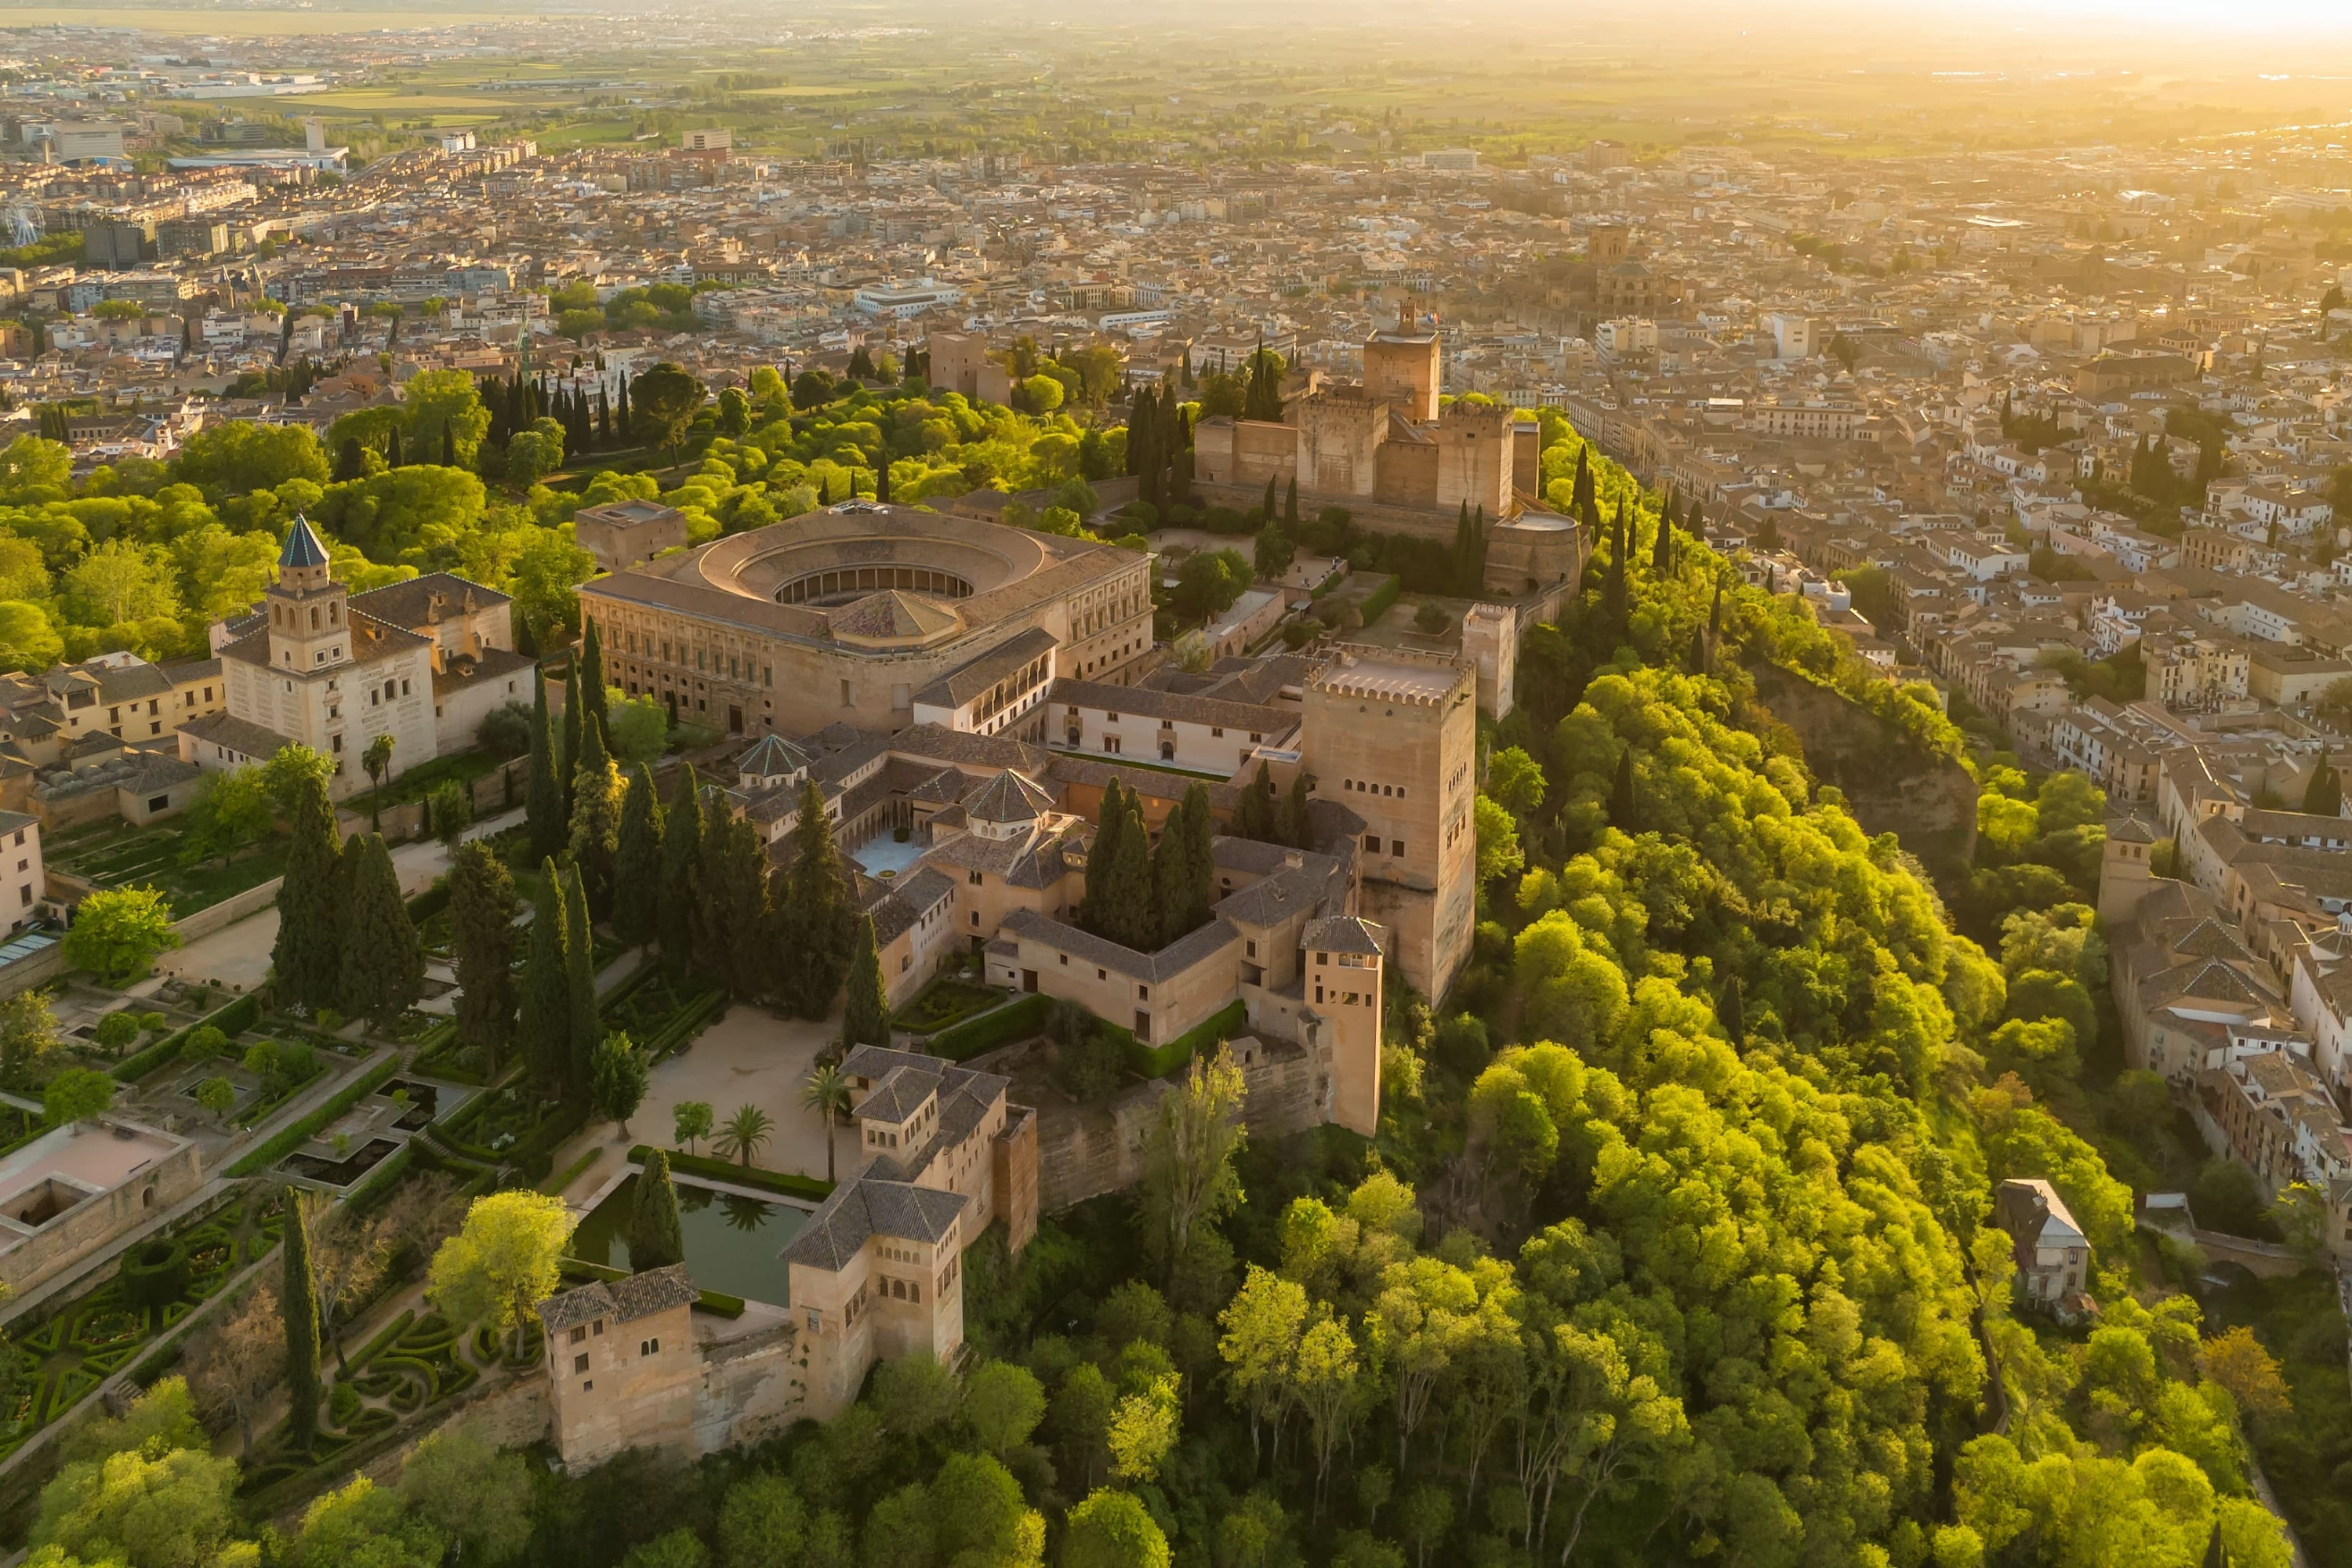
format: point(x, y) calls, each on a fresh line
point(482, 909)
point(503, 1262)
point(116, 932)
point(175, 1508)
point(28, 1037)
point(763, 1523)
point(1002, 1404)
point(1113, 1530)
point(228, 813)
point(617, 1080)
point(656, 1237)
point(75, 1096)
point(690, 1123)
point(476, 1496)
point(664, 401)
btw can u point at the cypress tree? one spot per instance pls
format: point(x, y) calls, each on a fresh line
point(604, 418)
point(882, 477)
point(1266, 506)
point(1621, 793)
point(392, 448)
point(383, 964)
point(1695, 523)
point(1290, 506)
point(573, 710)
point(1662, 553)
point(591, 680)
point(1731, 1011)
point(681, 865)
point(298, 1303)
point(1582, 499)
point(1694, 661)
point(1612, 586)
point(750, 943)
point(448, 447)
point(657, 1236)
point(2324, 795)
point(1297, 828)
point(1200, 859)
point(1254, 809)
point(1129, 917)
point(1715, 614)
point(637, 863)
point(349, 463)
point(866, 1014)
point(482, 908)
point(542, 795)
point(621, 410)
point(816, 906)
point(596, 818)
point(309, 954)
point(585, 1019)
point(1101, 858)
point(546, 1020)
point(1136, 427)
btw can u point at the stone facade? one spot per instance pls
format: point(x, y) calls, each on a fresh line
point(845, 615)
point(1391, 736)
point(74, 1189)
point(422, 661)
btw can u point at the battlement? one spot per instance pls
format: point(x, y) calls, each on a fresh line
point(1473, 416)
point(1426, 680)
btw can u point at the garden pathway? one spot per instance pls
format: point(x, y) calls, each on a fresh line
point(286, 1115)
point(750, 1056)
point(237, 956)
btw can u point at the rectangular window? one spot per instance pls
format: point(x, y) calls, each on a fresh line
point(1372, 842)
point(1396, 847)
point(580, 1361)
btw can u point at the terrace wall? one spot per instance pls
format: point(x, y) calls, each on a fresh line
point(95, 1221)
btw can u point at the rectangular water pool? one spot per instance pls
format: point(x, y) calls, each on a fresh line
point(731, 1241)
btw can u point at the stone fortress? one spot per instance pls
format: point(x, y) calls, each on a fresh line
point(1402, 460)
point(963, 695)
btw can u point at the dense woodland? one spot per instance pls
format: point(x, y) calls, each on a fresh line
point(1674, 1245)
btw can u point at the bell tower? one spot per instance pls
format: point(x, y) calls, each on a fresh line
point(310, 611)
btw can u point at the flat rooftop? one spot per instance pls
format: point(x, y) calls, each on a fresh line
point(1392, 680)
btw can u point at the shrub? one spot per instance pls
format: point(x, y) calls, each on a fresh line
point(204, 1043)
point(1432, 618)
point(155, 1273)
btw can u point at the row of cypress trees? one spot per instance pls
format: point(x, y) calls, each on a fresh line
point(1144, 895)
point(344, 938)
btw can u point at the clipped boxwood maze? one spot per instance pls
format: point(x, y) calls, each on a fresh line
point(67, 1350)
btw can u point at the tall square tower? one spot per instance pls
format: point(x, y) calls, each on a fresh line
point(1392, 735)
point(1400, 369)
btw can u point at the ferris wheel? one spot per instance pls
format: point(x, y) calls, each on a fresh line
point(23, 224)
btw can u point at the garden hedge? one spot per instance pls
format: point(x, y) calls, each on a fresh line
point(231, 1019)
point(429, 902)
point(377, 1185)
point(1013, 1021)
point(1158, 1061)
point(303, 1130)
point(1382, 598)
point(741, 1176)
point(155, 1273)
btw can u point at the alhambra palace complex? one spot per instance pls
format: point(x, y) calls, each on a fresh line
point(980, 687)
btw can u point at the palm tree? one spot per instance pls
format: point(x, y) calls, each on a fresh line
point(377, 761)
point(826, 1092)
point(743, 1134)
